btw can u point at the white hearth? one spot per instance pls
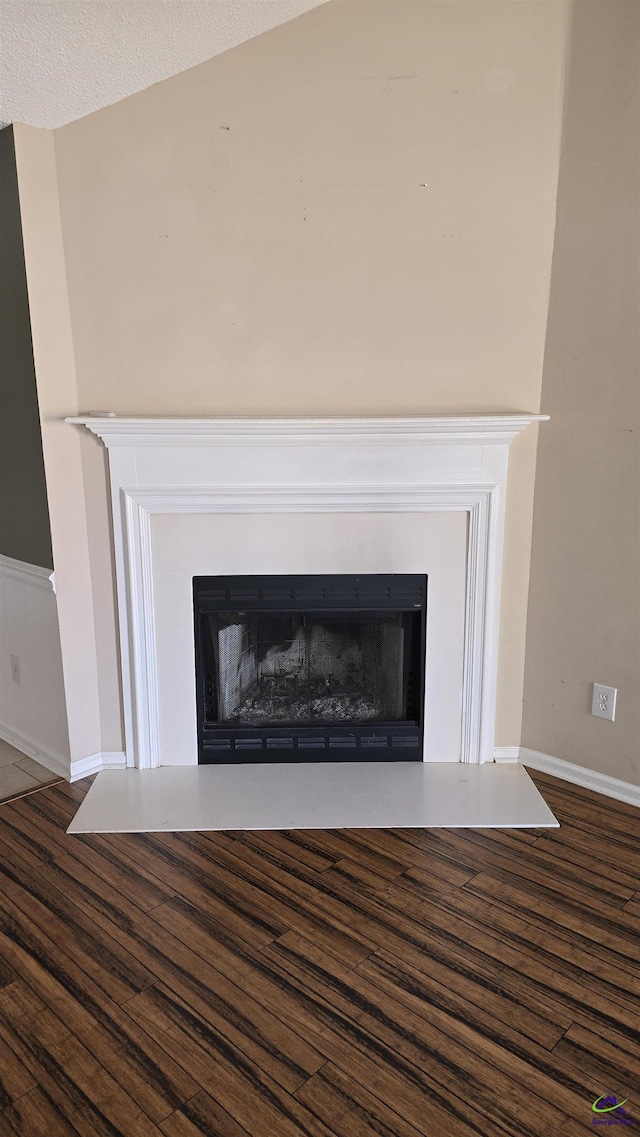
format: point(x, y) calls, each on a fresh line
point(219, 496)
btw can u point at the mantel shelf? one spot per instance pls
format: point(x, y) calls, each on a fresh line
point(168, 431)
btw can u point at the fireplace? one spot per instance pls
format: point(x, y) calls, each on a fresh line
point(310, 668)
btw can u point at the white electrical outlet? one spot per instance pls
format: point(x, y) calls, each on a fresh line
point(603, 703)
point(15, 668)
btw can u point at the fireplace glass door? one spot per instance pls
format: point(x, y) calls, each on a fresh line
point(304, 667)
point(298, 668)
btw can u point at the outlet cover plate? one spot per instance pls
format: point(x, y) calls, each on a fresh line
point(603, 704)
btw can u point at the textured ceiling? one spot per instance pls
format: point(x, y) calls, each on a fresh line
point(61, 59)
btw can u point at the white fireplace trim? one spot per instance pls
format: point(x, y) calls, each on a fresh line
point(481, 506)
point(116, 431)
point(466, 472)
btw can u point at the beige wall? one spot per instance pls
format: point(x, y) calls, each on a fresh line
point(24, 517)
point(584, 611)
point(254, 237)
point(57, 397)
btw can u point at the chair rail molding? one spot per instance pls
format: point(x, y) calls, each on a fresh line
point(24, 573)
point(289, 466)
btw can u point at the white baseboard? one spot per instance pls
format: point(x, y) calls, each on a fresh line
point(506, 753)
point(51, 759)
point(57, 763)
point(581, 776)
point(95, 763)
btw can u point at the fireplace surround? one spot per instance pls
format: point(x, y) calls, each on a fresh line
point(319, 485)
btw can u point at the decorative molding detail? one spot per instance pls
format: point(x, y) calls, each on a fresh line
point(307, 499)
point(140, 505)
point(506, 753)
point(24, 742)
point(117, 431)
point(26, 573)
point(581, 776)
point(96, 763)
point(446, 463)
point(137, 535)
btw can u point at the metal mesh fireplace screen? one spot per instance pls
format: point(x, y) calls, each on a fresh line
point(304, 667)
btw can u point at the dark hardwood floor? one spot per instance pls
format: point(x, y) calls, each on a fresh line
point(353, 982)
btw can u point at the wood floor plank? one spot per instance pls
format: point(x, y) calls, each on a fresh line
point(35, 1115)
point(612, 1063)
point(591, 827)
point(349, 1109)
point(202, 1116)
point(58, 808)
point(417, 990)
point(358, 845)
point(528, 921)
point(33, 814)
point(23, 835)
point(355, 875)
point(19, 1002)
point(75, 791)
point(255, 1033)
point(15, 1079)
point(7, 974)
point(247, 969)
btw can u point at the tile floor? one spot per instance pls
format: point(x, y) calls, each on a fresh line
point(19, 774)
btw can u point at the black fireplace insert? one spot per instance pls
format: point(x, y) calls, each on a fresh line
point(310, 668)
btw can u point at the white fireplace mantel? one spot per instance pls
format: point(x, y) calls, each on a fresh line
point(295, 466)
